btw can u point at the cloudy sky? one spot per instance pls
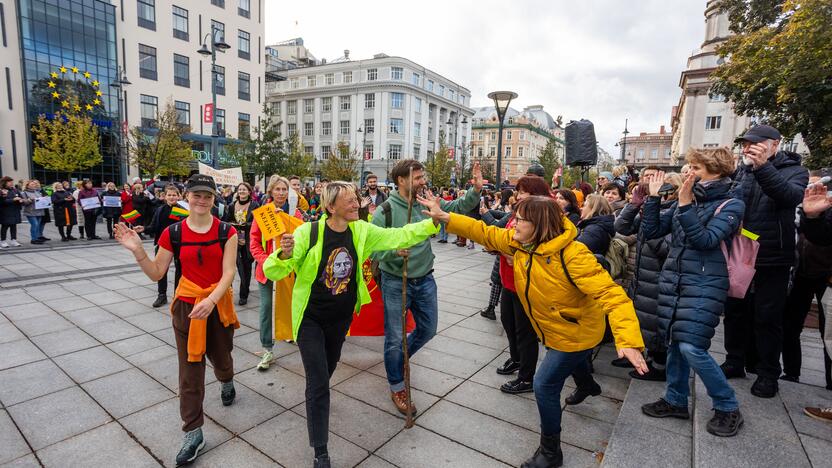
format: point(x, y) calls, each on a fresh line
point(603, 60)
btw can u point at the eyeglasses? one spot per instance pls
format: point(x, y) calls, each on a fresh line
point(518, 218)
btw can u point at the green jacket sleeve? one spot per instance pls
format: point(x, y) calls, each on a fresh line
point(276, 269)
point(462, 205)
point(390, 239)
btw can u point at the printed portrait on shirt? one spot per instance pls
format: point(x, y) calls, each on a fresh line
point(338, 271)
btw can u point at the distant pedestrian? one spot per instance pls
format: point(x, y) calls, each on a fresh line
point(11, 200)
point(91, 211)
point(31, 194)
point(63, 205)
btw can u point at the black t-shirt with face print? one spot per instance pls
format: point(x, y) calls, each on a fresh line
point(335, 289)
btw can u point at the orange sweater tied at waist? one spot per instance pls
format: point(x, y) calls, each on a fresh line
point(197, 331)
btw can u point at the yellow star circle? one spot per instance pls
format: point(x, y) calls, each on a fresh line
point(79, 104)
point(63, 69)
point(56, 95)
point(87, 74)
point(53, 75)
point(74, 69)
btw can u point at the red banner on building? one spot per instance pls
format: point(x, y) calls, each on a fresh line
point(208, 113)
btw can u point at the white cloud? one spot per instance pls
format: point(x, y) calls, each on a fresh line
point(604, 60)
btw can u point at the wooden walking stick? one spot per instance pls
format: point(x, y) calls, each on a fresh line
point(409, 420)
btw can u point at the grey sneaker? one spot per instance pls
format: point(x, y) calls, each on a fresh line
point(4, 245)
point(227, 393)
point(265, 361)
point(191, 445)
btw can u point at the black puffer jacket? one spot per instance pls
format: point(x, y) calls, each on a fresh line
point(650, 257)
point(817, 230)
point(596, 233)
point(771, 194)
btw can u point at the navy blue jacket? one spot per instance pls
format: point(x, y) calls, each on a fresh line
point(693, 284)
point(817, 230)
point(596, 233)
point(771, 194)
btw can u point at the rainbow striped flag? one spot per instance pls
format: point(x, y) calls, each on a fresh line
point(178, 211)
point(131, 215)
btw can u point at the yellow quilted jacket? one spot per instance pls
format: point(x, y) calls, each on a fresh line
point(566, 317)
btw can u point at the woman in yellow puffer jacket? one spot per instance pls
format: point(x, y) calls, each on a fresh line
point(565, 293)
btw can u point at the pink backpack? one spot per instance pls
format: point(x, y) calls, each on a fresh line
point(740, 260)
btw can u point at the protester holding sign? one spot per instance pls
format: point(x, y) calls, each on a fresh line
point(31, 194)
point(240, 216)
point(112, 207)
point(91, 207)
point(63, 205)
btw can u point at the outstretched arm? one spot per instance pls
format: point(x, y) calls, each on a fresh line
point(154, 269)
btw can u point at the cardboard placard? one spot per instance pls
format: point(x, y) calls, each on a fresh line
point(268, 221)
point(90, 203)
point(232, 176)
point(112, 201)
point(43, 203)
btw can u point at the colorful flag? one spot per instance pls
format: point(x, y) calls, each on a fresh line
point(131, 216)
point(178, 211)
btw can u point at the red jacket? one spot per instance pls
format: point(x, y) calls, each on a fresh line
point(126, 202)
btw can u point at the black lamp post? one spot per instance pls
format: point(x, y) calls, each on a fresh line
point(118, 86)
point(216, 44)
point(501, 101)
point(363, 156)
point(624, 143)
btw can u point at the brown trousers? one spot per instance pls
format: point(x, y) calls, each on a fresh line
point(192, 374)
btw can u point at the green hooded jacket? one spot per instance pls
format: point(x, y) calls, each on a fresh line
point(306, 260)
point(420, 260)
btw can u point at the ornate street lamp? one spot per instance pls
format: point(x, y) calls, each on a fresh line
point(502, 99)
point(216, 44)
point(118, 86)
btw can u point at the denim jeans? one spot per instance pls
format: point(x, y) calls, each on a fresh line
point(443, 233)
point(681, 357)
point(548, 383)
point(421, 300)
point(35, 227)
point(266, 314)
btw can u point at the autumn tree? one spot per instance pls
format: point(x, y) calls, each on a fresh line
point(463, 167)
point(438, 167)
point(296, 162)
point(161, 150)
point(778, 66)
point(262, 153)
point(549, 159)
point(66, 143)
point(342, 164)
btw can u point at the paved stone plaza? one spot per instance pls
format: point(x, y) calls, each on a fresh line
point(88, 378)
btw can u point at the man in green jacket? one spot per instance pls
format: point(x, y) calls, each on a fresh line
point(421, 287)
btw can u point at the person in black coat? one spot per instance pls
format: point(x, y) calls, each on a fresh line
point(11, 201)
point(771, 183)
point(597, 225)
point(162, 218)
point(111, 213)
point(238, 213)
point(66, 215)
point(693, 284)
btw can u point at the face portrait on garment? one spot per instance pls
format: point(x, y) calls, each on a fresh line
point(339, 267)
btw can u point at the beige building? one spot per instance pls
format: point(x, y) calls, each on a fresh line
point(525, 135)
point(648, 149)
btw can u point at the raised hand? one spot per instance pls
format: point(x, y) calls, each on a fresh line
point(127, 237)
point(434, 208)
point(816, 200)
point(287, 245)
point(476, 172)
point(686, 190)
point(655, 182)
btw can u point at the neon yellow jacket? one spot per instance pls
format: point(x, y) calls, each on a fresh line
point(306, 259)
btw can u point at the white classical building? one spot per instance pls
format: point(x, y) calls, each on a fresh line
point(385, 108)
point(701, 119)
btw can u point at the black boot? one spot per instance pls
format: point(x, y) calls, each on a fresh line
point(581, 394)
point(488, 313)
point(548, 455)
point(161, 300)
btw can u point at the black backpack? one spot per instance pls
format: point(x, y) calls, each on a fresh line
point(176, 243)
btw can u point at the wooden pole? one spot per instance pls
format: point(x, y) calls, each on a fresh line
point(409, 420)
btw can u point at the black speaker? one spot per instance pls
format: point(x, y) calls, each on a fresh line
point(581, 146)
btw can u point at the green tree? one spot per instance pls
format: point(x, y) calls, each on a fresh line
point(487, 166)
point(296, 161)
point(262, 154)
point(463, 168)
point(66, 143)
point(549, 159)
point(342, 164)
point(438, 167)
point(778, 66)
point(162, 150)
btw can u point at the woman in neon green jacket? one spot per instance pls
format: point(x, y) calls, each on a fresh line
point(327, 256)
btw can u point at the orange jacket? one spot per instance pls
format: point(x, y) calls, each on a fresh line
point(197, 331)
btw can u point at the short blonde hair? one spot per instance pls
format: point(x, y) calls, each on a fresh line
point(673, 178)
point(595, 205)
point(716, 161)
point(26, 186)
point(273, 181)
point(57, 187)
point(333, 190)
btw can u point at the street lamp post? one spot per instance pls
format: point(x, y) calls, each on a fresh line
point(501, 101)
point(624, 144)
point(363, 156)
point(122, 156)
point(216, 44)
point(455, 123)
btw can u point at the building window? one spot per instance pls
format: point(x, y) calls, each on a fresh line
point(370, 101)
point(146, 11)
point(442, 90)
point(345, 127)
point(396, 125)
point(291, 107)
point(276, 109)
point(218, 31)
point(291, 129)
point(219, 79)
point(372, 74)
point(394, 151)
point(654, 153)
point(243, 86)
point(417, 150)
point(479, 151)
point(309, 150)
point(430, 85)
point(417, 129)
point(507, 152)
point(347, 77)
point(243, 125)
point(311, 81)
point(370, 125)
point(397, 100)
point(326, 128)
point(308, 129)
point(667, 154)
point(415, 79)
point(183, 112)
point(522, 135)
point(219, 3)
point(243, 44)
point(451, 94)
point(716, 97)
point(713, 123)
point(345, 103)
point(326, 104)
point(180, 23)
point(369, 151)
point(294, 83)
point(329, 78)
point(508, 135)
point(640, 154)
point(181, 70)
point(308, 106)
point(492, 151)
point(244, 8)
point(219, 117)
point(150, 110)
point(417, 104)
point(493, 135)
point(325, 150)
point(396, 73)
point(520, 152)
point(147, 62)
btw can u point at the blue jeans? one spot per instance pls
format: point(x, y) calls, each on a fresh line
point(35, 227)
point(548, 383)
point(443, 233)
point(421, 300)
point(681, 357)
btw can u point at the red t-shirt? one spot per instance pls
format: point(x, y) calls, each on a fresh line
point(506, 270)
point(209, 271)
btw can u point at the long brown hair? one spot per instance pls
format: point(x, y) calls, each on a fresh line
point(545, 215)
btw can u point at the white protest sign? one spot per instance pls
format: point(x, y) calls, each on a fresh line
point(43, 203)
point(232, 176)
point(90, 203)
point(111, 201)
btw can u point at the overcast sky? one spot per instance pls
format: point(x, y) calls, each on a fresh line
point(603, 60)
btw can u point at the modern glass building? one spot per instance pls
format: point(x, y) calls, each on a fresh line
point(68, 48)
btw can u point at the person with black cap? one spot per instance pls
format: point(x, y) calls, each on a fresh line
point(204, 250)
point(771, 183)
point(536, 169)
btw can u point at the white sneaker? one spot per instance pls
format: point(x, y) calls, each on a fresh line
point(265, 361)
point(4, 245)
point(14, 243)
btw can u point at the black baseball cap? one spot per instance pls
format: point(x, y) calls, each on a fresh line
point(536, 169)
point(201, 183)
point(759, 133)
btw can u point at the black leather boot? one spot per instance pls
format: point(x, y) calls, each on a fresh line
point(548, 455)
